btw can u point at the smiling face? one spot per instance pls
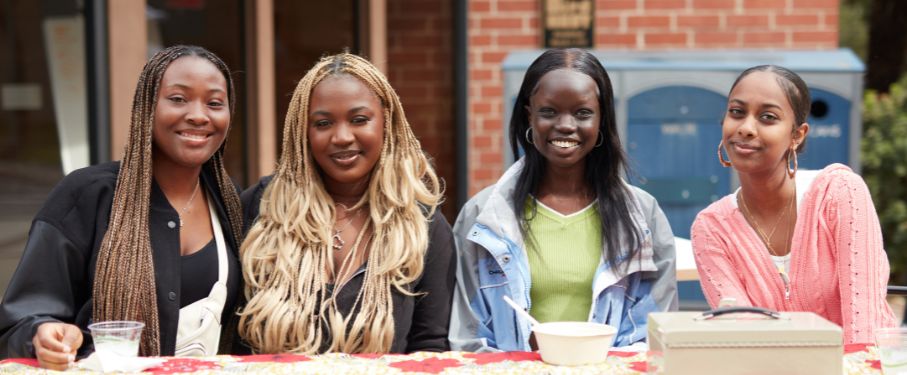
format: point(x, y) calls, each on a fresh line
point(192, 114)
point(758, 127)
point(346, 131)
point(564, 115)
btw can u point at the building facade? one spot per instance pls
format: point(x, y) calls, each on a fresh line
point(68, 70)
point(498, 27)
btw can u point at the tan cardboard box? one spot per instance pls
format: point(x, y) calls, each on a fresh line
point(743, 343)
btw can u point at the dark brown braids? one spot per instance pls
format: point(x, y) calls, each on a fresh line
point(124, 285)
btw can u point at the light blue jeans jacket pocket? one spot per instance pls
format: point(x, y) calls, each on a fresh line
point(499, 326)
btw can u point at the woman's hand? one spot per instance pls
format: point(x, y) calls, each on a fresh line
point(56, 345)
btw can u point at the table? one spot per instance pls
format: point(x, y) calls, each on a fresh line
point(685, 261)
point(858, 359)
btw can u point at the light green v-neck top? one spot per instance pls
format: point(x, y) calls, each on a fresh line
point(564, 251)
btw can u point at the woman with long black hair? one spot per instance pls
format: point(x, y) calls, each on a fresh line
point(561, 232)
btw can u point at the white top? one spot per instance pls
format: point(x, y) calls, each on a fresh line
point(782, 263)
point(562, 216)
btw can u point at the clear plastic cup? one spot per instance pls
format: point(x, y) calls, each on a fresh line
point(892, 347)
point(120, 338)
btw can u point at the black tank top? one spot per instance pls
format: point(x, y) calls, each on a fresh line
point(198, 273)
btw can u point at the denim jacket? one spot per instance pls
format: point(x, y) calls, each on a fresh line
point(492, 263)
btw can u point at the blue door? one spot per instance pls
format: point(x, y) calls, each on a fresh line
point(672, 136)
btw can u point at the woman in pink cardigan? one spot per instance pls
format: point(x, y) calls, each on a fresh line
point(785, 241)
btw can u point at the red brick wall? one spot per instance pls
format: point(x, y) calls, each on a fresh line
point(497, 27)
point(420, 68)
point(679, 24)
point(494, 29)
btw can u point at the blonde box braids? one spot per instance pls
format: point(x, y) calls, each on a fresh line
point(124, 286)
point(286, 255)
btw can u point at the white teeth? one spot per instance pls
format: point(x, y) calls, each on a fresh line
point(564, 144)
point(194, 136)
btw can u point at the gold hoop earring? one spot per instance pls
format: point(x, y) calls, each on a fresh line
point(724, 163)
point(528, 136)
point(792, 154)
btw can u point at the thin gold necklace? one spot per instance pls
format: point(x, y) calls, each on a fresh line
point(749, 218)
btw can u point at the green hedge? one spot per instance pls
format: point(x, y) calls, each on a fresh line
point(884, 155)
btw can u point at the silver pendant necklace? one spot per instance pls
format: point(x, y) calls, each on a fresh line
point(185, 208)
point(336, 239)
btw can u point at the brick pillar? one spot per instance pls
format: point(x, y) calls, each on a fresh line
point(420, 48)
point(495, 29)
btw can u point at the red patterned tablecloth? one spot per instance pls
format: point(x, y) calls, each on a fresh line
point(858, 359)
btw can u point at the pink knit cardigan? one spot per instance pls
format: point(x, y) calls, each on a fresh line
point(838, 266)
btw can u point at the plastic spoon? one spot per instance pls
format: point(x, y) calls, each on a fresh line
point(519, 311)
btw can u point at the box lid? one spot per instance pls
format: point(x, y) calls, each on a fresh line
point(690, 329)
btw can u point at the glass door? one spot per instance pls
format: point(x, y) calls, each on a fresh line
point(43, 112)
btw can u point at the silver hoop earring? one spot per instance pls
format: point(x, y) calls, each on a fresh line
point(601, 140)
point(528, 136)
point(792, 154)
point(724, 163)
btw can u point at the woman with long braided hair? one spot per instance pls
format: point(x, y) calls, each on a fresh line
point(144, 239)
point(349, 252)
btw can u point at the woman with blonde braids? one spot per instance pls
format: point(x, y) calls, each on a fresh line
point(144, 239)
point(349, 252)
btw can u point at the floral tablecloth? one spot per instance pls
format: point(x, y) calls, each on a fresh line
point(858, 359)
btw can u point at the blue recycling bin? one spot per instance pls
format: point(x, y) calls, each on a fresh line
point(667, 130)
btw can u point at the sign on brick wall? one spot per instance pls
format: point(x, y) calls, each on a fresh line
point(568, 23)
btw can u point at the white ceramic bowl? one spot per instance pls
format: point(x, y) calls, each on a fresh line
point(574, 343)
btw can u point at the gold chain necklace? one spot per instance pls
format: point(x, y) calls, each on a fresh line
point(766, 239)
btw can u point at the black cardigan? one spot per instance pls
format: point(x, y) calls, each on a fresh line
point(421, 321)
point(55, 276)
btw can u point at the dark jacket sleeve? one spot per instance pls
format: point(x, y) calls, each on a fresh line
point(251, 202)
point(53, 280)
point(431, 316)
point(41, 290)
